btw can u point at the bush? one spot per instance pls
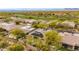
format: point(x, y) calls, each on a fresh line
point(18, 33)
point(53, 23)
point(2, 30)
point(3, 44)
point(38, 43)
point(16, 47)
point(8, 19)
point(17, 22)
point(41, 25)
point(52, 38)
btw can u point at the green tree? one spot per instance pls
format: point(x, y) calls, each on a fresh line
point(76, 21)
point(17, 22)
point(52, 24)
point(3, 44)
point(38, 43)
point(41, 25)
point(52, 38)
point(16, 47)
point(3, 32)
point(18, 33)
point(7, 19)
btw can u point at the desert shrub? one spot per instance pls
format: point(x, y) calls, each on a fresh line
point(53, 23)
point(52, 38)
point(17, 22)
point(38, 43)
point(18, 33)
point(2, 30)
point(7, 19)
point(16, 47)
point(3, 44)
point(40, 25)
point(2, 34)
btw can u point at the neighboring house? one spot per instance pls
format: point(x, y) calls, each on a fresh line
point(14, 18)
point(70, 41)
point(30, 21)
point(67, 24)
point(27, 28)
point(38, 32)
point(7, 26)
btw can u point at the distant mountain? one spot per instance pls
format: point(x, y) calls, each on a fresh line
point(37, 9)
point(72, 9)
point(30, 9)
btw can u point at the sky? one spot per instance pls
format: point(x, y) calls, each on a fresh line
point(39, 4)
